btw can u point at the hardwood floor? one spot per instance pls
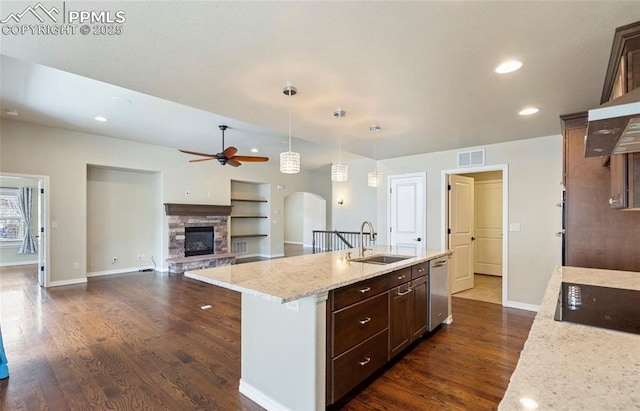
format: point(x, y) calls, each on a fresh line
point(141, 342)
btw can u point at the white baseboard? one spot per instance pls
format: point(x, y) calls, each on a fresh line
point(14, 263)
point(273, 255)
point(118, 271)
point(448, 320)
point(293, 242)
point(522, 306)
point(259, 397)
point(67, 282)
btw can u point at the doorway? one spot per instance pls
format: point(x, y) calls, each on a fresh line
point(304, 212)
point(37, 264)
point(474, 219)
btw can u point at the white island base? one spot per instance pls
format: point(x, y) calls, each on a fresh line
point(283, 360)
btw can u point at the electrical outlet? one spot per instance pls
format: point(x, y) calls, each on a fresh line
point(114, 260)
point(76, 266)
point(140, 256)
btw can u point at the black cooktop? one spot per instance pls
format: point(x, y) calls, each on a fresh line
point(613, 308)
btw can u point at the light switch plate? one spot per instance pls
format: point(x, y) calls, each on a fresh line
point(514, 226)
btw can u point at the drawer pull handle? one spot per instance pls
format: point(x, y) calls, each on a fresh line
point(365, 321)
point(401, 277)
point(365, 362)
point(420, 270)
point(404, 293)
point(365, 290)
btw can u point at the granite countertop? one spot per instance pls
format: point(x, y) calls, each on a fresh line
point(568, 366)
point(288, 279)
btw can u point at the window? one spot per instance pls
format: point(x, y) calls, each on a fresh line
point(11, 222)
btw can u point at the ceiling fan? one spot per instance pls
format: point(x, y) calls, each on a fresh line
point(227, 156)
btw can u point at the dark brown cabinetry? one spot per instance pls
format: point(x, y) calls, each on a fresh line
point(371, 321)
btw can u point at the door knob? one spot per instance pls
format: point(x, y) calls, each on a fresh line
point(417, 239)
point(473, 239)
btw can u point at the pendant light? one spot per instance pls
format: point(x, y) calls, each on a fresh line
point(339, 172)
point(290, 160)
point(374, 178)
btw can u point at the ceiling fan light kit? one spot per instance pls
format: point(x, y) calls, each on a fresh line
point(290, 160)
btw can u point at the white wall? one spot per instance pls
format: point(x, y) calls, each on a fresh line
point(63, 155)
point(314, 217)
point(122, 215)
point(294, 218)
point(9, 253)
point(359, 199)
point(535, 167)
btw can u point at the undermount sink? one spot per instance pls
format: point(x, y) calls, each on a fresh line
point(381, 259)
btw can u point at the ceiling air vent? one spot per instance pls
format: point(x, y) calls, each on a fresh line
point(471, 158)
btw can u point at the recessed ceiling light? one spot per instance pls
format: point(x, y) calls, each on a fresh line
point(100, 119)
point(374, 128)
point(508, 67)
point(528, 111)
point(254, 150)
point(11, 112)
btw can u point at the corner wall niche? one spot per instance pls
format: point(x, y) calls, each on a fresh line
point(250, 219)
point(198, 215)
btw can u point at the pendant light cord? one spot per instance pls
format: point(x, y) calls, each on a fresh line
point(289, 121)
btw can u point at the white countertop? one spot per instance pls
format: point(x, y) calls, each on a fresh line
point(287, 279)
point(567, 366)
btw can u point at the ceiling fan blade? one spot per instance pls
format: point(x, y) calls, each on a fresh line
point(232, 162)
point(230, 151)
point(197, 160)
point(251, 159)
point(197, 154)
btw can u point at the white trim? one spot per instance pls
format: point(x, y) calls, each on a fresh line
point(522, 306)
point(505, 215)
point(272, 255)
point(67, 282)
point(449, 320)
point(423, 176)
point(10, 264)
point(259, 397)
point(294, 242)
point(47, 214)
point(118, 271)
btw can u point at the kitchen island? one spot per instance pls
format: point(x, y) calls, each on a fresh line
point(284, 319)
point(568, 366)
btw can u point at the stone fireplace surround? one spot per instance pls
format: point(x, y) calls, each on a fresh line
point(198, 215)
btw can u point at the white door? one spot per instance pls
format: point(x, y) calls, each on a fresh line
point(460, 231)
point(407, 210)
point(488, 227)
point(40, 235)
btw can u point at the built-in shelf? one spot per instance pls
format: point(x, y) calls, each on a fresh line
point(248, 216)
point(248, 200)
point(248, 235)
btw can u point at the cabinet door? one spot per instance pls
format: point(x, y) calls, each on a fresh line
point(419, 307)
point(400, 324)
point(618, 181)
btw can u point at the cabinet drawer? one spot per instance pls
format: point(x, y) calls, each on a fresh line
point(356, 323)
point(359, 291)
point(399, 277)
point(419, 270)
point(355, 365)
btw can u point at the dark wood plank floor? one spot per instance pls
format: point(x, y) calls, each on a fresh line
point(141, 342)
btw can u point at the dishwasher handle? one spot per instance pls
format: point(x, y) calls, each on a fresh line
point(439, 263)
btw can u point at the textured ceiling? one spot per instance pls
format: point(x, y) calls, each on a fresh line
point(423, 71)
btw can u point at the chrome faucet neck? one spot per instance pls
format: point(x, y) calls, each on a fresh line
point(372, 236)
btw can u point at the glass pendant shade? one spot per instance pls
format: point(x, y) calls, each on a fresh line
point(374, 179)
point(289, 162)
point(339, 173)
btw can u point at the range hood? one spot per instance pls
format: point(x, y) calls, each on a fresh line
point(614, 127)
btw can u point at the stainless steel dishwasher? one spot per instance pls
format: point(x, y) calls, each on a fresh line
point(438, 291)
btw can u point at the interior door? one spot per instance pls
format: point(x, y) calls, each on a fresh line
point(488, 227)
point(407, 210)
point(40, 235)
point(461, 213)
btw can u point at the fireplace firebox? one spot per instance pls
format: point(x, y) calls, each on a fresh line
point(198, 241)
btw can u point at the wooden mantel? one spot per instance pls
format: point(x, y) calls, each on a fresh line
point(197, 209)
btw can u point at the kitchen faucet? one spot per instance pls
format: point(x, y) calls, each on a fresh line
point(372, 236)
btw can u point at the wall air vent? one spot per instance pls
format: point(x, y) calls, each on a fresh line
point(471, 158)
point(239, 247)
